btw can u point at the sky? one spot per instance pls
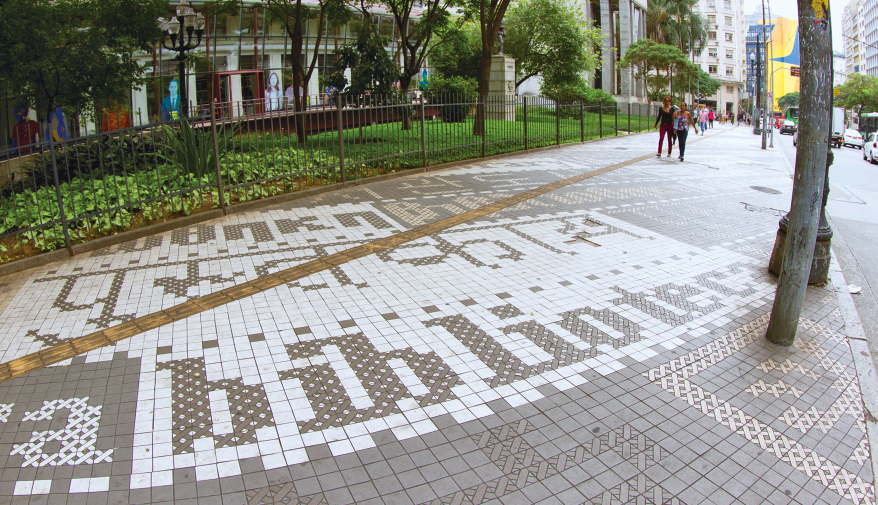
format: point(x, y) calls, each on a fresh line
point(789, 9)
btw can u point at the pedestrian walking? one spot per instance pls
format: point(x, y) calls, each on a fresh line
point(682, 120)
point(702, 120)
point(710, 117)
point(665, 119)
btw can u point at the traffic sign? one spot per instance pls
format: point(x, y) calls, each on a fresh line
point(836, 92)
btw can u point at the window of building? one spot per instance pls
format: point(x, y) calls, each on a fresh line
point(711, 69)
point(711, 18)
point(727, 4)
point(730, 55)
point(730, 89)
point(728, 37)
point(711, 52)
point(711, 35)
point(730, 70)
point(728, 20)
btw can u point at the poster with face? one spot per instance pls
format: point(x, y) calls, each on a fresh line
point(171, 107)
point(273, 93)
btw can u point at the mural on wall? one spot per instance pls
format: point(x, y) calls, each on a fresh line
point(57, 125)
point(273, 94)
point(25, 131)
point(171, 103)
point(783, 45)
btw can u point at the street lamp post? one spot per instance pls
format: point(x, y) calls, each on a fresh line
point(755, 89)
point(181, 28)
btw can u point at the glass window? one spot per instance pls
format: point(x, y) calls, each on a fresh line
point(730, 55)
point(730, 70)
point(711, 69)
point(711, 35)
point(711, 18)
point(730, 89)
point(728, 37)
point(728, 20)
point(727, 4)
point(712, 52)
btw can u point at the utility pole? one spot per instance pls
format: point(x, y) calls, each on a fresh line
point(764, 102)
point(757, 85)
point(808, 187)
point(771, 48)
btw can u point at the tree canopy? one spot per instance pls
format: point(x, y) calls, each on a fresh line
point(74, 53)
point(788, 100)
point(552, 40)
point(649, 59)
point(460, 54)
point(859, 93)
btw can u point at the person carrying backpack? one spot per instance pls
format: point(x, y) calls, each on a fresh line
point(682, 120)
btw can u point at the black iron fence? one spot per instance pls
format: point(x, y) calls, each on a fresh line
point(59, 192)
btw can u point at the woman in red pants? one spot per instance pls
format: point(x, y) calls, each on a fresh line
point(666, 119)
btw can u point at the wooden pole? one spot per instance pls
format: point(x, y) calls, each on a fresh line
point(814, 131)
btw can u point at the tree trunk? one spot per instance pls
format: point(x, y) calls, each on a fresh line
point(484, 85)
point(404, 82)
point(814, 126)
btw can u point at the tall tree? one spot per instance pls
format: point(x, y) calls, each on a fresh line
point(417, 23)
point(73, 53)
point(294, 16)
point(552, 40)
point(811, 167)
point(649, 59)
point(490, 14)
point(858, 93)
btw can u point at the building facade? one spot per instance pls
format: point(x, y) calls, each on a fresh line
point(724, 56)
point(869, 20)
point(854, 48)
point(622, 22)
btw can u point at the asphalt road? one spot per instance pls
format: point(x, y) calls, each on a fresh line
point(853, 213)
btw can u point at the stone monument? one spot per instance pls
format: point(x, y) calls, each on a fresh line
point(501, 86)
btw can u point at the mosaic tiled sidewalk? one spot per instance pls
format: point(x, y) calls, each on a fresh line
point(602, 343)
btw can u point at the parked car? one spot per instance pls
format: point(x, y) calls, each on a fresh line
point(788, 127)
point(870, 148)
point(852, 138)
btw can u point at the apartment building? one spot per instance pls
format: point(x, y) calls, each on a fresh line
point(869, 23)
point(854, 48)
point(724, 56)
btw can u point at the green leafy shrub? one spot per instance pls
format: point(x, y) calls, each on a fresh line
point(577, 93)
point(193, 149)
point(454, 91)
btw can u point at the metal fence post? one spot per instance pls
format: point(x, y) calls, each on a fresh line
point(423, 132)
point(629, 118)
point(216, 158)
point(616, 120)
point(558, 123)
point(524, 98)
point(581, 123)
point(58, 195)
point(601, 118)
point(344, 177)
point(484, 107)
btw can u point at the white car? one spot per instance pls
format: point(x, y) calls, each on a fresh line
point(870, 148)
point(852, 138)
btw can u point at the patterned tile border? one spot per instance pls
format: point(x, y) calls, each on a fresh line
point(129, 328)
point(676, 377)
